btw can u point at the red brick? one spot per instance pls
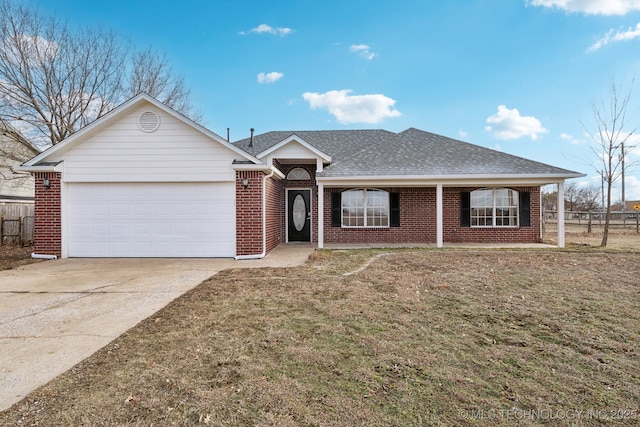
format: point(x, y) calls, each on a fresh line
point(48, 219)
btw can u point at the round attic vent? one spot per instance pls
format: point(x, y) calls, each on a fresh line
point(148, 121)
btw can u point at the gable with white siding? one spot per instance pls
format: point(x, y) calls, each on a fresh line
point(124, 152)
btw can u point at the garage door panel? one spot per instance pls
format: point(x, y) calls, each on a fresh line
point(151, 220)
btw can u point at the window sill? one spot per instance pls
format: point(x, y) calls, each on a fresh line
point(364, 227)
point(495, 226)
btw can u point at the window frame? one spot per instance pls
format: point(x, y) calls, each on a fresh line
point(512, 208)
point(303, 174)
point(368, 206)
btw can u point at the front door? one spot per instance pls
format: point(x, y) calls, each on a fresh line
point(299, 215)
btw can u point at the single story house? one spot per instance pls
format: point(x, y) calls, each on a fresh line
point(145, 181)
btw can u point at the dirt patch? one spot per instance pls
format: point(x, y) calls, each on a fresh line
point(12, 256)
point(429, 337)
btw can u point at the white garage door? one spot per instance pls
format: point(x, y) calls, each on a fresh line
point(151, 219)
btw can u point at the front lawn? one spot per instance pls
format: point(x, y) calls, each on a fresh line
point(428, 337)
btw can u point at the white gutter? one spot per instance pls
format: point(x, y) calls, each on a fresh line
point(453, 177)
point(33, 169)
point(43, 256)
point(264, 222)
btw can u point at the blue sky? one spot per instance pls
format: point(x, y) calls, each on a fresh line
point(515, 75)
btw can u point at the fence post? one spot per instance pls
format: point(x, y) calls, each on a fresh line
point(20, 231)
point(589, 226)
point(1, 230)
point(637, 222)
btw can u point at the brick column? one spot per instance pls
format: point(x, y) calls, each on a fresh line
point(48, 218)
point(249, 213)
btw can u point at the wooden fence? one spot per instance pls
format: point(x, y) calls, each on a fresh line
point(16, 223)
point(620, 220)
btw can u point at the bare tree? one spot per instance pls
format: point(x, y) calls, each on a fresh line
point(588, 198)
point(549, 197)
point(152, 74)
point(571, 196)
point(14, 150)
point(611, 141)
point(576, 198)
point(54, 81)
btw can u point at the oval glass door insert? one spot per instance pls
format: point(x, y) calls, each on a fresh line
point(299, 212)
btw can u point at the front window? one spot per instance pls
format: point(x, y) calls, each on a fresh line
point(494, 207)
point(365, 208)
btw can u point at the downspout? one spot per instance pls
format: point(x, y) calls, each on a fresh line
point(43, 256)
point(264, 222)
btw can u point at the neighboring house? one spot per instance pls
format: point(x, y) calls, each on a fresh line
point(15, 187)
point(145, 181)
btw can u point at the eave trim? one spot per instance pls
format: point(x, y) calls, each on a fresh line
point(447, 180)
point(326, 158)
point(259, 168)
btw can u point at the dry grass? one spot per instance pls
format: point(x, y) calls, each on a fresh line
point(619, 239)
point(416, 338)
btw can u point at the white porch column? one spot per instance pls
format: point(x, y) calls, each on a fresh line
point(561, 214)
point(439, 231)
point(320, 215)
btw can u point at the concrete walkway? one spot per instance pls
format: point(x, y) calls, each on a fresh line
point(55, 314)
point(345, 246)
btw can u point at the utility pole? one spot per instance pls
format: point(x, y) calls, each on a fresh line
point(622, 152)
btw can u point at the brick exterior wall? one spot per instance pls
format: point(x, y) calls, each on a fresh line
point(275, 213)
point(455, 233)
point(48, 218)
point(249, 213)
point(418, 221)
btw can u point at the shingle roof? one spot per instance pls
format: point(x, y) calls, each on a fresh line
point(412, 152)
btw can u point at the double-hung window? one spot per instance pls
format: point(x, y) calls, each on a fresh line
point(494, 207)
point(365, 208)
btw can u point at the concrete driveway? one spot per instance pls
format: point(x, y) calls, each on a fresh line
point(54, 314)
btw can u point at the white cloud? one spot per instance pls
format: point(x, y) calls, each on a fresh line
point(591, 7)
point(363, 50)
point(567, 137)
point(271, 77)
point(509, 124)
point(34, 49)
point(348, 108)
point(268, 29)
point(462, 134)
point(632, 187)
point(616, 36)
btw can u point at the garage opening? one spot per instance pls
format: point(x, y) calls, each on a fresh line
point(151, 220)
